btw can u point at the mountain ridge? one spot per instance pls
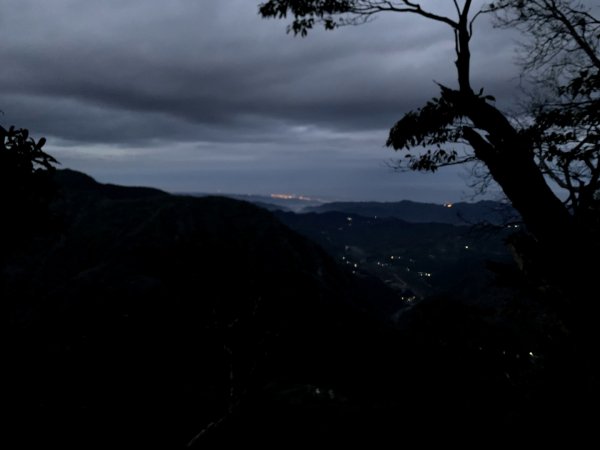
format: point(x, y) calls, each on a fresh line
point(461, 213)
point(144, 302)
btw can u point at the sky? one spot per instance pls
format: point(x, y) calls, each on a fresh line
point(206, 96)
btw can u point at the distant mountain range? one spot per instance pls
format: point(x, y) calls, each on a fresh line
point(451, 213)
point(273, 202)
point(461, 213)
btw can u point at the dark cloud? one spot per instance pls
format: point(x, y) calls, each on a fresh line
point(206, 87)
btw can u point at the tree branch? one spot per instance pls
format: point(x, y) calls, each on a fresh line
point(372, 7)
point(581, 42)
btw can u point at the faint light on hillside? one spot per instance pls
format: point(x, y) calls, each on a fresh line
point(283, 196)
point(448, 205)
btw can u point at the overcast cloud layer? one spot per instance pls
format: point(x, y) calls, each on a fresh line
point(204, 95)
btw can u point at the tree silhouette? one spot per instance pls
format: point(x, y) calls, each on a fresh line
point(26, 185)
point(463, 115)
point(562, 63)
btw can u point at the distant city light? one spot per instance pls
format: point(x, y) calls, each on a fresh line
point(291, 197)
point(283, 196)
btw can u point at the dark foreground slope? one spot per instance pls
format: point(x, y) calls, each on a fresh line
point(152, 317)
point(153, 321)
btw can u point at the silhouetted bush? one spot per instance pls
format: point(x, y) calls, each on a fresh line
point(26, 186)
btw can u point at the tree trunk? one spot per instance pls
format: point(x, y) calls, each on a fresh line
point(511, 163)
point(506, 154)
point(463, 56)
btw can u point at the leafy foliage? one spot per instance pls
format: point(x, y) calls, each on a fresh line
point(430, 125)
point(441, 121)
point(307, 12)
point(21, 154)
point(334, 13)
point(26, 185)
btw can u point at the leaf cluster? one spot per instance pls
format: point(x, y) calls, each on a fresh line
point(26, 185)
point(441, 122)
point(307, 13)
point(21, 154)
